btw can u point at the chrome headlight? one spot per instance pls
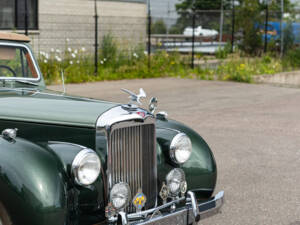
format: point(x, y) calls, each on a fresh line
point(120, 195)
point(180, 148)
point(175, 180)
point(86, 167)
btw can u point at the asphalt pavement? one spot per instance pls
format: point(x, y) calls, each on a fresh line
point(253, 130)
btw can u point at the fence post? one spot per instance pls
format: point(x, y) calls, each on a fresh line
point(281, 29)
point(221, 23)
point(26, 18)
point(149, 36)
point(96, 38)
point(193, 40)
point(233, 26)
point(266, 27)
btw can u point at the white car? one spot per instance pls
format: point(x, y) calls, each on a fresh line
point(199, 31)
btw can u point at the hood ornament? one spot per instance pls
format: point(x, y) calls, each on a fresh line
point(135, 98)
point(9, 134)
point(153, 105)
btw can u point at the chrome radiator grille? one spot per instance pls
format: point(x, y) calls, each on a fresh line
point(132, 159)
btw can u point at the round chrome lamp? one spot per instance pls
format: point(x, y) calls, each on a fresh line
point(86, 167)
point(180, 148)
point(120, 195)
point(175, 181)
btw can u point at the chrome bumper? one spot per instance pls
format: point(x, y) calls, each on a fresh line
point(192, 212)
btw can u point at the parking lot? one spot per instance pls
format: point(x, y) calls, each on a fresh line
point(254, 131)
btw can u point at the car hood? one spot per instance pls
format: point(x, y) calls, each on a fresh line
point(51, 108)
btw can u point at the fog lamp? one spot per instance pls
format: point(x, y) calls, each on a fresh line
point(120, 195)
point(175, 178)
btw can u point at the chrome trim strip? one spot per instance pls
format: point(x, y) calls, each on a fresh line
point(33, 60)
point(149, 211)
point(119, 114)
point(210, 207)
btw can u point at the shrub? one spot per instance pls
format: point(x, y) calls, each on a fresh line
point(292, 59)
point(108, 48)
point(159, 27)
point(222, 53)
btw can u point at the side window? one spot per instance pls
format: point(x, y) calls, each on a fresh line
point(16, 62)
point(10, 62)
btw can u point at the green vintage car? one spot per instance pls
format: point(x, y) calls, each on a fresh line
point(68, 160)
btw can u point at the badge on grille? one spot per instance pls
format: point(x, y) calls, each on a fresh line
point(139, 200)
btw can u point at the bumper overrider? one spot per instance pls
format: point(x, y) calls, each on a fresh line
point(168, 213)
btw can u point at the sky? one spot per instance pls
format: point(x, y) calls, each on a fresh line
point(164, 9)
point(160, 8)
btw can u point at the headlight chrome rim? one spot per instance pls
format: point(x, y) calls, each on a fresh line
point(117, 195)
point(175, 148)
point(78, 163)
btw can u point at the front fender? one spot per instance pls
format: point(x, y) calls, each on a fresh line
point(32, 184)
point(200, 169)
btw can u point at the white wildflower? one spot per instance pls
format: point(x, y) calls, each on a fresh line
point(135, 55)
point(73, 55)
point(71, 62)
point(78, 61)
point(75, 51)
point(58, 51)
point(45, 61)
point(58, 58)
point(104, 59)
point(46, 56)
point(145, 52)
point(52, 50)
point(42, 53)
point(83, 49)
point(68, 40)
point(69, 49)
point(101, 62)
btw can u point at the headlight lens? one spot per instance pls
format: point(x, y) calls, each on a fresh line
point(120, 195)
point(175, 180)
point(181, 148)
point(86, 167)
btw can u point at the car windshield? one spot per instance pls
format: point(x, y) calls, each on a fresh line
point(16, 63)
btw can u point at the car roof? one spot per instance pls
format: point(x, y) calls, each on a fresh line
point(14, 37)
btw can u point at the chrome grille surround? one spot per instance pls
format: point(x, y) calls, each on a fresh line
point(131, 151)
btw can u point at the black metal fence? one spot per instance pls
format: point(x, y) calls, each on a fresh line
point(191, 33)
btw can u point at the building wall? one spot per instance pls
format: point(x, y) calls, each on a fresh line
point(71, 23)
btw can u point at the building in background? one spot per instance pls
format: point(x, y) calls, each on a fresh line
point(60, 23)
point(165, 10)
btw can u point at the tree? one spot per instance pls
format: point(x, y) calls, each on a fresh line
point(187, 5)
point(159, 27)
point(185, 10)
point(250, 21)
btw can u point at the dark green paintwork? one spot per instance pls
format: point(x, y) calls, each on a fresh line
point(200, 170)
point(50, 108)
point(35, 171)
point(33, 184)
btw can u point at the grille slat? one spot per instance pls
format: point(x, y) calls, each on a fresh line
point(132, 155)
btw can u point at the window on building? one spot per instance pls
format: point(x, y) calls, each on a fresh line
point(12, 14)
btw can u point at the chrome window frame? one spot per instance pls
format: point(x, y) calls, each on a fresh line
point(8, 44)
